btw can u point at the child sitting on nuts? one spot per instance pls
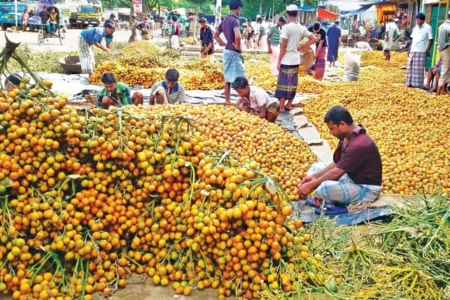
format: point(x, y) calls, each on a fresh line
point(116, 93)
point(168, 91)
point(255, 100)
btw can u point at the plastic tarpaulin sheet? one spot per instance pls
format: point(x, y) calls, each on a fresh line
point(360, 10)
point(306, 8)
point(346, 219)
point(326, 14)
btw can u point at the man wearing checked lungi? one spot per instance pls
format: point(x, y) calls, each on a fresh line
point(232, 60)
point(422, 40)
point(88, 38)
point(289, 59)
point(355, 174)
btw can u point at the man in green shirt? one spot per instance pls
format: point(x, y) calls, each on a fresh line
point(116, 93)
point(273, 42)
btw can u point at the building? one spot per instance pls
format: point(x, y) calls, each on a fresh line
point(436, 13)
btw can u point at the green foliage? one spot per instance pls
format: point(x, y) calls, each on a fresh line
point(46, 61)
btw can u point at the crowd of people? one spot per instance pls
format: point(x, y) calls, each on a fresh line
point(48, 17)
point(422, 41)
point(355, 173)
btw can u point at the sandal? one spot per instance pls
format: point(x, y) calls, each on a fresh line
point(312, 201)
point(331, 209)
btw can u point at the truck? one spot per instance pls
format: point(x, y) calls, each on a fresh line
point(8, 14)
point(89, 14)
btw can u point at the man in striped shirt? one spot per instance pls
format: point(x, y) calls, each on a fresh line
point(168, 91)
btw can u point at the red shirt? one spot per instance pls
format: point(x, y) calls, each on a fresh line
point(360, 159)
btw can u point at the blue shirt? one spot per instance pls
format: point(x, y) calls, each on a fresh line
point(93, 35)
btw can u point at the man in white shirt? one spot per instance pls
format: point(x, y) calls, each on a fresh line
point(391, 29)
point(422, 39)
point(444, 53)
point(289, 59)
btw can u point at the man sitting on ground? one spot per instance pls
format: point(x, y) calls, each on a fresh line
point(116, 93)
point(168, 91)
point(434, 72)
point(355, 173)
point(255, 100)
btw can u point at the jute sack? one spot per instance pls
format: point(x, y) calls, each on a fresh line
point(307, 56)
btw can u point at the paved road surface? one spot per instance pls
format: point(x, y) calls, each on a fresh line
point(69, 44)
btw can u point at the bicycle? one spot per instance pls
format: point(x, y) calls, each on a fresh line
point(60, 32)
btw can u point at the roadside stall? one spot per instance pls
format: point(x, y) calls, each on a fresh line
point(326, 15)
point(360, 29)
point(307, 14)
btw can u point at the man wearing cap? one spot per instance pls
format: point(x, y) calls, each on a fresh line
point(444, 53)
point(232, 61)
point(289, 60)
point(206, 40)
point(391, 29)
point(422, 39)
point(273, 43)
point(88, 38)
point(334, 41)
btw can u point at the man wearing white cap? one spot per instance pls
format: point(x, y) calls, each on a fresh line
point(289, 59)
point(444, 53)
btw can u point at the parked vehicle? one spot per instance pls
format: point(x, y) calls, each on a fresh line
point(8, 14)
point(89, 14)
point(73, 19)
point(64, 14)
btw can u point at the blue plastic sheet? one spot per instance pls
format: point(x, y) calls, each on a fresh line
point(363, 216)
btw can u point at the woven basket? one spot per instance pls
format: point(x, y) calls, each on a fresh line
point(70, 64)
point(91, 98)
